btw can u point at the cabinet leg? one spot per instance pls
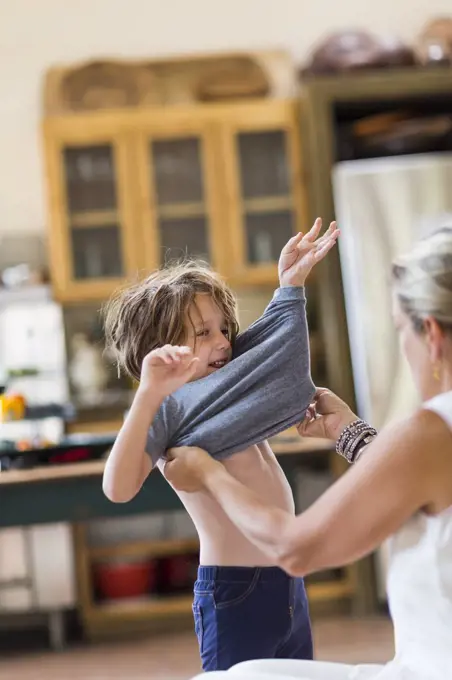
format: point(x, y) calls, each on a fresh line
point(56, 630)
point(364, 601)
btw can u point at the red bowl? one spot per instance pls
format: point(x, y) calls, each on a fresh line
point(119, 580)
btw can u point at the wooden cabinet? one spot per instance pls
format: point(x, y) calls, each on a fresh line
point(129, 191)
point(330, 106)
point(264, 184)
point(93, 240)
point(180, 200)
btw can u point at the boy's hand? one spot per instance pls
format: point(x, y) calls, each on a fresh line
point(166, 369)
point(302, 253)
point(186, 466)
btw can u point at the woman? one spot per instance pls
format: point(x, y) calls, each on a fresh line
point(399, 486)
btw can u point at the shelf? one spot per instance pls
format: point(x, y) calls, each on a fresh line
point(181, 210)
point(95, 468)
point(17, 582)
point(40, 412)
point(285, 445)
point(144, 548)
point(94, 218)
point(176, 605)
point(25, 295)
point(268, 204)
point(142, 608)
point(330, 590)
point(46, 473)
point(95, 427)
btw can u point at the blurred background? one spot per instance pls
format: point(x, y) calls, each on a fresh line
point(133, 133)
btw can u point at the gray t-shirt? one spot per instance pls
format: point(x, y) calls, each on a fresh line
point(265, 389)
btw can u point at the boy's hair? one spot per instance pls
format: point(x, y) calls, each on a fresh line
point(153, 312)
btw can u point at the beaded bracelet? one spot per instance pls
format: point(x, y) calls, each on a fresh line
point(354, 438)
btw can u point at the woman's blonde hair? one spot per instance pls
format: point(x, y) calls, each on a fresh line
point(153, 312)
point(423, 280)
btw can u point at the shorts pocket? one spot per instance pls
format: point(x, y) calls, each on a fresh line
point(203, 589)
point(199, 628)
point(230, 594)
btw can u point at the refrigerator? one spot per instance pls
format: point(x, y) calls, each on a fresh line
point(382, 206)
point(37, 562)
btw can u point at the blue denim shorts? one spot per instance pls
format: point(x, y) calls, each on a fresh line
point(244, 613)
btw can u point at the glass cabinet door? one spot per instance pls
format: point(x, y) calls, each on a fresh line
point(265, 195)
point(180, 199)
point(95, 239)
point(180, 202)
point(262, 166)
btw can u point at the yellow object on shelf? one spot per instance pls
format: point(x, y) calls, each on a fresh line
point(12, 407)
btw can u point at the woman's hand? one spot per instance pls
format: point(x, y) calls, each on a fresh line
point(186, 468)
point(326, 417)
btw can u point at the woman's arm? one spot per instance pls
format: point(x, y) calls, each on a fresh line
point(365, 506)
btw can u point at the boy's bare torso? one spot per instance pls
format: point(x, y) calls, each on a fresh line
point(221, 544)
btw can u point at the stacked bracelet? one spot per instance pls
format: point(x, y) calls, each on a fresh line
point(354, 438)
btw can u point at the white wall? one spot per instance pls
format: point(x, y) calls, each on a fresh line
point(35, 34)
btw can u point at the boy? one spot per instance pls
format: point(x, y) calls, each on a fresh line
point(244, 607)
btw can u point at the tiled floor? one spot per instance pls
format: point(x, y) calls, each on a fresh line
point(176, 658)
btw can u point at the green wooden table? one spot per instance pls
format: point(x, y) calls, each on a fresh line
point(73, 493)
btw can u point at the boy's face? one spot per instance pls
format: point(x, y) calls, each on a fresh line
point(209, 339)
